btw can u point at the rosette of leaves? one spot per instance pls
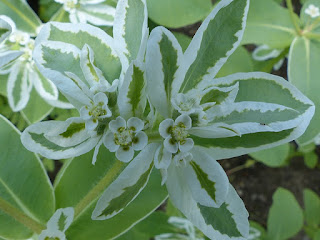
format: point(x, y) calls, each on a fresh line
point(150, 88)
point(280, 28)
point(26, 88)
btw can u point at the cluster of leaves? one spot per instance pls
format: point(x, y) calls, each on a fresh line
point(144, 105)
point(286, 218)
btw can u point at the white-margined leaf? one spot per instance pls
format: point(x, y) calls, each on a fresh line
point(130, 28)
point(276, 112)
point(23, 16)
point(213, 43)
point(132, 97)
point(97, 14)
point(207, 180)
point(54, 60)
point(8, 57)
point(59, 140)
point(107, 56)
point(163, 58)
point(228, 222)
point(127, 186)
point(5, 29)
point(18, 87)
point(61, 219)
point(46, 89)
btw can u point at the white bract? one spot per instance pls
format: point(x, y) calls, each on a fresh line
point(96, 12)
point(125, 137)
point(312, 11)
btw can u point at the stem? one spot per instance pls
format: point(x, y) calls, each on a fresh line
point(21, 217)
point(311, 35)
point(292, 16)
point(98, 189)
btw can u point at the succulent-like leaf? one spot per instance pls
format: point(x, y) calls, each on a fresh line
point(30, 198)
point(163, 58)
point(127, 186)
point(303, 73)
point(216, 39)
point(268, 111)
point(269, 23)
point(20, 12)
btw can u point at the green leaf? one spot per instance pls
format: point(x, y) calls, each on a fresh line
point(87, 182)
point(257, 232)
point(269, 23)
point(5, 29)
point(239, 61)
point(273, 157)
point(183, 40)
point(34, 198)
point(303, 72)
point(285, 217)
point(213, 43)
point(37, 109)
point(312, 208)
point(19, 11)
point(178, 13)
point(164, 56)
point(310, 159)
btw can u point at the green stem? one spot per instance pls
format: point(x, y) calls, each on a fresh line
point(99, 188)
point(292, 16)
point(311, 35)
point(21, 217)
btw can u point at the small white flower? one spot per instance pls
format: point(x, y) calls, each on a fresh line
point(68, 5)
point(187, 103)
point(182, 158)
point(312, 11)
point(19, 37)
point(125, 137)
point(176, 134)
point(97, 111)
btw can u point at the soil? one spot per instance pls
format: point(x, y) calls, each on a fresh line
point(257, 184)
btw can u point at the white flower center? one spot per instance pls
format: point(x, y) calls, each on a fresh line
point(179, 133)
point(124, 137)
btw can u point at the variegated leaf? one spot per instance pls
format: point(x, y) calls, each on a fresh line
point(212, 44)
point(8, 57)
point(97, 14)
point(268, 111)
point(72, 38)
point(61, 219)
point(130, 28)
point(228, 222)
point(127, 186)
point(207, 180)
point(18, 87)
point(59, 140)
point(132, 97)
point(54, 59)
point(163, 58)
point(20, 12)
point(5, 29)
point(46, 89)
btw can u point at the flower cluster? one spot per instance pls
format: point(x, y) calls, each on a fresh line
point(312, 11)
